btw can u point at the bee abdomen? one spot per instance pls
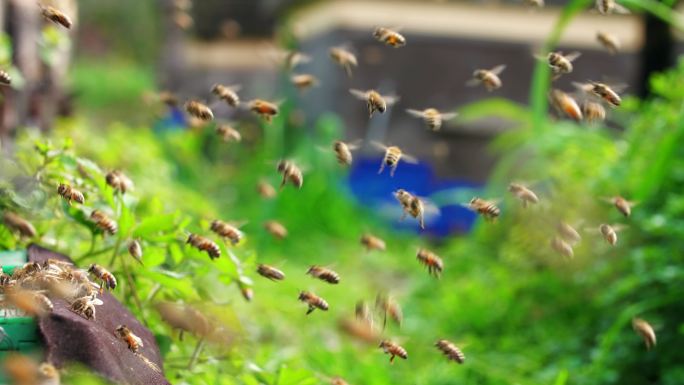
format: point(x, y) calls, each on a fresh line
point(5, 78)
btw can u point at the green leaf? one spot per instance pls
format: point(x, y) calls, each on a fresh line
point(155, 224)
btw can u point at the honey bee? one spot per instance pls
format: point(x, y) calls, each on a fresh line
point(264, 109)
point(199, 110)
point(645, 330)
point(324, 274)
point(304, 81)
point(276, 229)
point(345, 58)
point(606, 7)
point(293, 59)
point(609, 233)
point(451, 351)
point(56, 16)
point(246, 291)
point(227, 93)
point(359, 329)
point(372, 242)
point(489, 78)
point(5, 78)
point(523, 193)
point(622, 205)
point(107, 278)
point(343, 152)
point(105, 223)
point(568, 232)
point(85, 306)
point(374, 100)
point(602, 91)
point(270, 272)
point(134, 342)
point(393, 349)
point(562, 247)
point(70, 194)
point(135, 250)
point(204, 244)
point(433, 118)
point(227, 230)
point(413, 206)
point(561, 64)
point(30, 302)
point(184, 318)
point(291, 172)
point(313, 301)
point(48, 374)
point(388, 307)
point(432, 261)
point(393, 155)
point(593, 111)
point(266, 190)
point(487, 208)
point(228, 133)
point(609, 42)
point(119, 181)
point(18, 224)
point(565, 104)
point(390, 37)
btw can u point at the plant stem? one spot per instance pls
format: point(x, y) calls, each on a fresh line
point(196, 353)
point(153, 292)
point(116, 252)
point(131, 287)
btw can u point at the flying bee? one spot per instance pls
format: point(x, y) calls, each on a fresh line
point(606, 7)
point(432, 261)
point(103, 222)
point(227, 93)
point(56, 16)
point(135, 250)
point(168, 98)
point(388, 307)
point(266, 190)
point(345, 58)
point(609, 42)
point(602, 91)
point(5, 78)
point(622, 205)
point(276, 229)
point(85, 306)
point(29, 302)
point(609, 233)
point(107, 278)
point(393, 155)
point(324, 274)
point(393, 349)
point(227, 230)
point(134, 342)
point(304, 81)
point(593, 111)
point(562, 247)
point(374, 100)
point(451, 351)
point(433, 118)
point(390, 37)
point(372, 242)
point(645, 330)
point(565, 104)
point(561, 64)
point(523, 193)
point(199, 110)
point(414, 206)
point(18, 224)
point(228, 133)
point(291, 172)
point(270, 272)
point(70, 194)
point(487, 208)
point(204, 244)
point(343, 152)
point(359, 329)
point(293, 58)
point(264, 109)
point(314, 301)
point(568, 233)
point(489, 78)
point(119, 181)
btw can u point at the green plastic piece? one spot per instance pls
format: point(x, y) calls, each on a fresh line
point(12, 259)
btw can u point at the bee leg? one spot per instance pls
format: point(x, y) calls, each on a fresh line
point(347, 68)
point(392, 359)
point(180, 335)
point(311, 309)
point(382, 167)
point(422, 221)
point(524, 203)
point(282, 184)
point(393, 169)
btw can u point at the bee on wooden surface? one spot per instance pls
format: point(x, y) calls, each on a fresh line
point(432, 261)
point(134, 342)
point(606, 7)
point(645, 330)
point(451, 351)
point(609, 42)
point(28, 269)
point(270, 272)
point(29, 302)
point(5, 78)
point(561, 64)
point(387, 306)
point(264, 109)
point(103, 222)
point(135, 250)
point(107, 278)
point(314, 301)
point(393, 349)
point(291, 173)
point(389, 37)
point(562, 247)
point(602, 91)
point(343, 152)
point(593, 112)
point(414, 206)
point(523, 193)
point(374, 100)
point(266, 190)
point(276, 229)
point(119, 181)
point(568, 233)
point(393, 155)
point(85, 306)
point(345, 58)
point(486, 208)
point(228, 133)
point(227, 93)
point(371, 242)
point(324, 274)
point(609, 233)
point(18, 224)
point(565, 105)
point(227, 230)
point(204, 244)
point(432, 117)
point(70, 194)
point(304, 81)
point(489, 78)
point(199, 110)
point(56, 16)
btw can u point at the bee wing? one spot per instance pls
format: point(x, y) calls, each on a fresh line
point(378, 145)
point(498, 69)
point(473, 82)
point(355, 145)
point(415, 113)
point(617, 8)
point(431, 210)
point(97, 302)
point(363, 95)
point(449, 115)
point(584, 87)
point(619, 227)
point(572, 56)
point(409, 158)
point(390, 99)
point(234, 87)
point(138, 340)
